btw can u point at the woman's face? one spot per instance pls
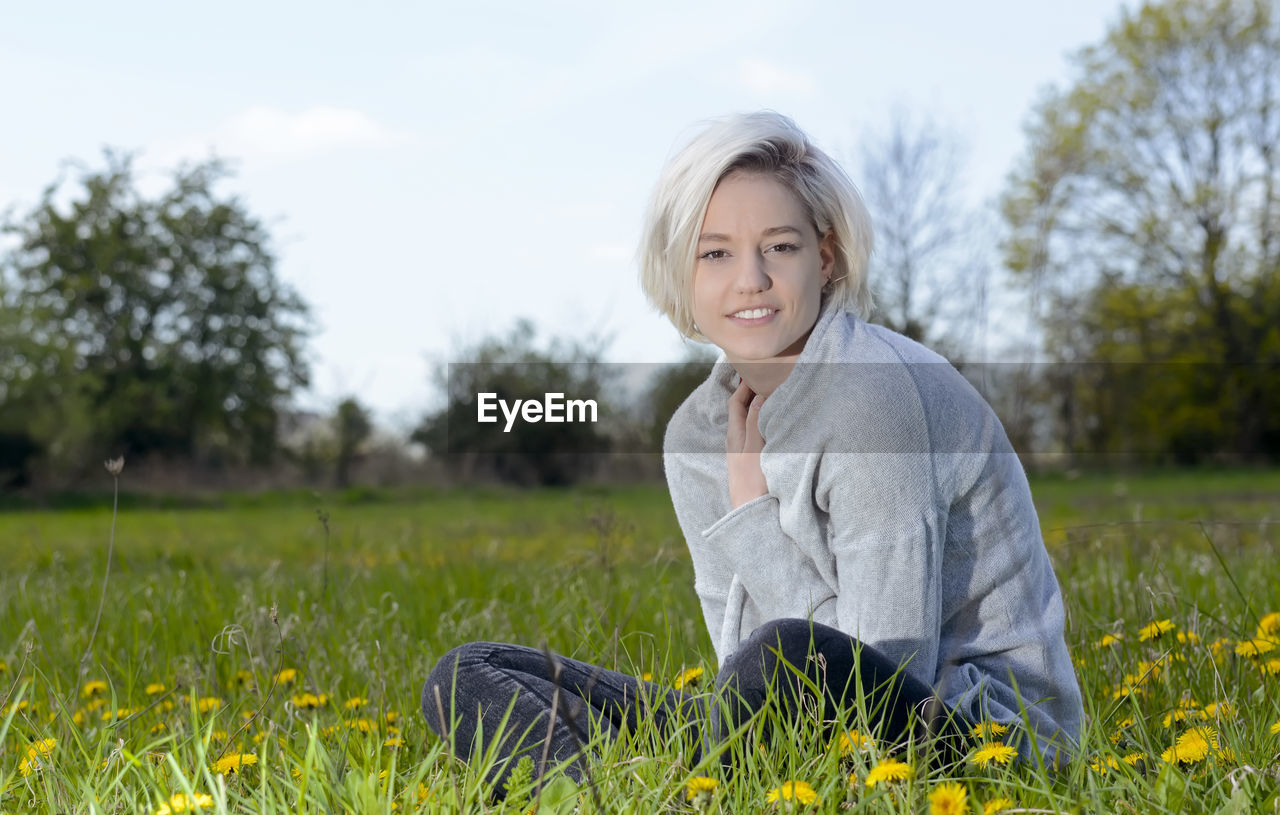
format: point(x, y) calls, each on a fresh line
point(760, 269)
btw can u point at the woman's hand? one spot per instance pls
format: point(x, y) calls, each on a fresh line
point(743, 445)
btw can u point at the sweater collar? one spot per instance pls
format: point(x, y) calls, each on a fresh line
point(791, 393)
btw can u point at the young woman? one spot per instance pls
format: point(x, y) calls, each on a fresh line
point(852, 506)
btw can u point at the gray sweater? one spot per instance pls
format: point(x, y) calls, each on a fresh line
point(897, 512)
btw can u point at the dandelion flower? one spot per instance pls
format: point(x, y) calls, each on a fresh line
point(996, 805)
point(309, 701)
point(208, 704)
point(393, 743)
point(364, 725)
point(355, 703)
point(1275, 728)
point(992, 751)
point(94, 687)
point(1255, 647)
point(242, 679)
point(1132, 759)
point(950, 798)
point(1173, 716)
point(154, 688)
point(852, 741)
point(1272, 667)
point(233, 763)
point(4, 667)
point(647, 676)
point(1102, 764)
point(798, 791)
point(687, 677)
point(1191, 746)
point(1269, 625)
point(392, 717)
point(986, 730)
point(1219, 710)
point(36, 752)
point(1109, 640)
point(700, 786)
point(288, 676)
point(1155, 630)
point(181, 803)
point(888, 771)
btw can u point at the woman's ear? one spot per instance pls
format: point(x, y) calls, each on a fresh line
point(827, 255)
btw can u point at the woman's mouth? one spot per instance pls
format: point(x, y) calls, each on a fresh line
point(753, 316)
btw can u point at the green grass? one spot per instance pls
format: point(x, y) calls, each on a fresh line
point(214, 600)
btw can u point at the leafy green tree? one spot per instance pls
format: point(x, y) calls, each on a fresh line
point(514, 367)
point(162, 317)
point(352, 428)
point(1146, 217)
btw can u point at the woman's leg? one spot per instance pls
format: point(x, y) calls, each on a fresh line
point(471, 689)
point(764, 668)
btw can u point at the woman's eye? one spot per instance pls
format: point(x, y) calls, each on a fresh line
point(783, 247)
point(714, 254)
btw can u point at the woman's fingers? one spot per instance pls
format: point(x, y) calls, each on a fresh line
point(752, 441)
point(736, 438)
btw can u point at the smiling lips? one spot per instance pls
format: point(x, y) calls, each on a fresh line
point(754, 314)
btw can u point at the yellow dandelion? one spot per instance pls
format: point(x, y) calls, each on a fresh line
point(309, 701)
point(158, 727)
point(18, 707)
point(1173, 716)
point(1191, 746)
point(888, 771)
point(1102, 764)
point(364, 725)
point(1109, 640)
point(393, 743)
point(1269, 625)
point(208, 704)
point(1188, 638)
point(288, 676)
point(242, 679)
point(950, 798)
point(700, 786)
point(1132, 759)
point(1275, 728)
point(1218, 710)
point(4, 667)
point(688, 677)
point(996, 805)
point(36, 753)
point(1255, 648)
point(988, 730)
point(1271, 667)
point(647, 676)
point(355, 703)
point(234, 763)
point(992, 752)
point(94, 687)
point(851, 742)
point(392, 717)
point(1155, 630)
point(155, 687)
point(798, 791)
point(1124, 691)
point(182, 803)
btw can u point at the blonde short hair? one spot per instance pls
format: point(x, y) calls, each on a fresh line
point(761, 142)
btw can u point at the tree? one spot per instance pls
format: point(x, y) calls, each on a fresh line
point(927, 277)
point(511, 368)
point(162, 318)
point(1153, 183)
point(352, 428)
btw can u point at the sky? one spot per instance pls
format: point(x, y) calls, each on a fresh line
point(432, 171)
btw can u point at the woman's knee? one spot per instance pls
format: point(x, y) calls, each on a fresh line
point(788, 638)
point(447, 686)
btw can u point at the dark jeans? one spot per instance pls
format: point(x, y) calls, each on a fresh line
point(475, 685)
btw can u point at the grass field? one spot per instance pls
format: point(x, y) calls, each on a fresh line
point(267, 652)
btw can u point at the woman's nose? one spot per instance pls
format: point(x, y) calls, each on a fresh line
point(752, 275)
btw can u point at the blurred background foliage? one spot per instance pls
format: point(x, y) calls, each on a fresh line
point(1141, 228)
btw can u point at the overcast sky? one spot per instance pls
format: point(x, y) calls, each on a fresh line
point(432, 171)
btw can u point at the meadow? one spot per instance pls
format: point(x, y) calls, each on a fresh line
point(265, 653)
